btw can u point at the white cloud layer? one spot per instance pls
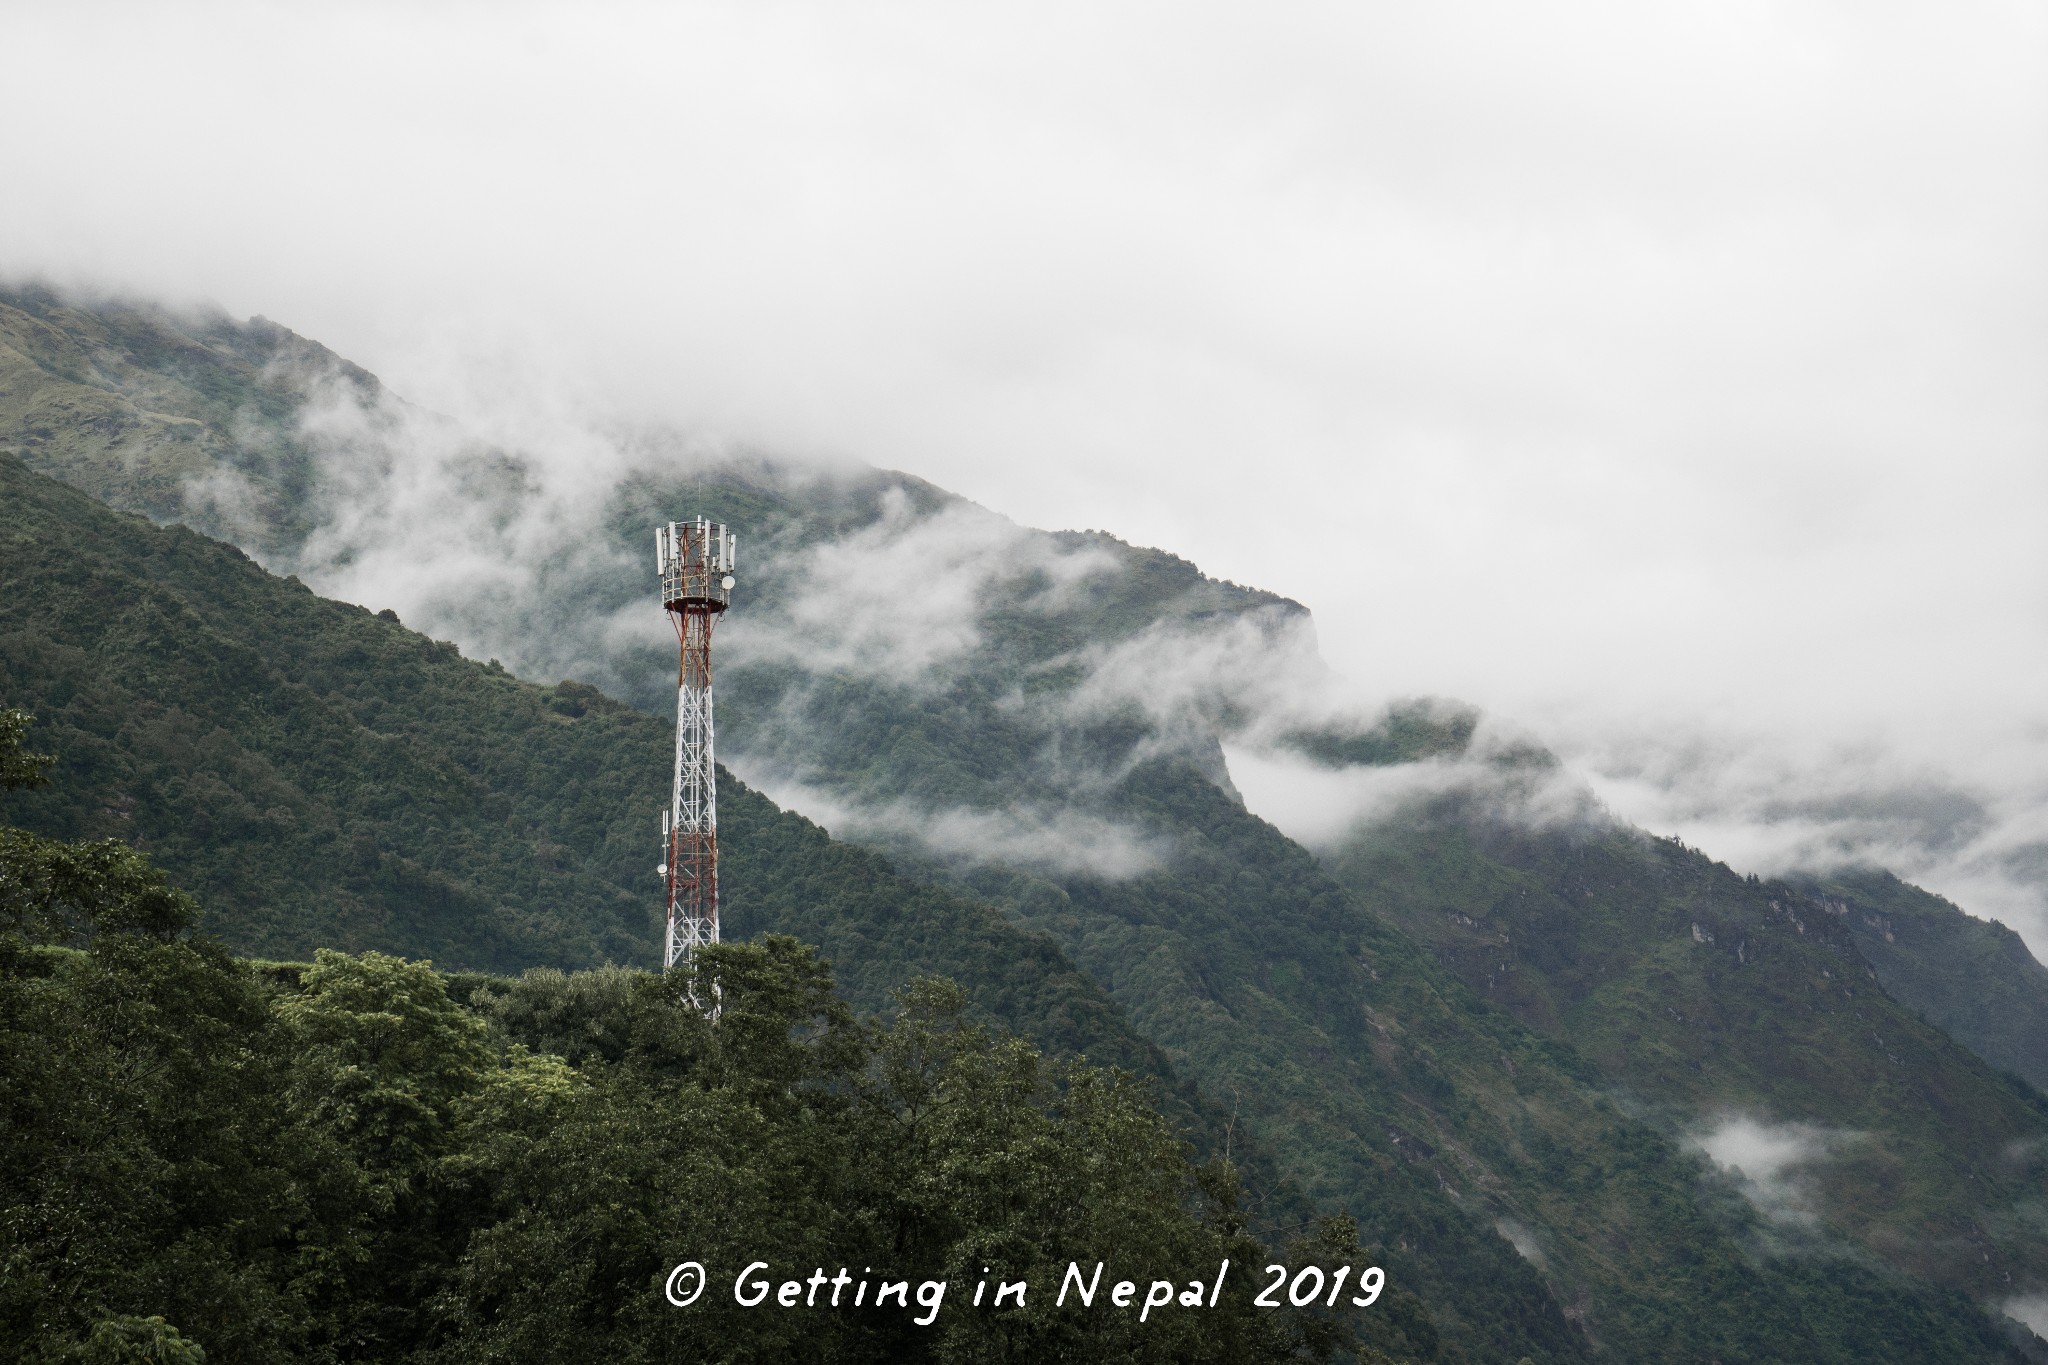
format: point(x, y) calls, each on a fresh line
point(1317, 806)
point(1521, 1238)
point(1672, 379)
point(2031, 1309)
point(1960, 808)
point(901, 597)
point(1063, 841)
point(1771, 1163)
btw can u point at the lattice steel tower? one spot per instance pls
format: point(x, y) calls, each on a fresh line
point(695, 561)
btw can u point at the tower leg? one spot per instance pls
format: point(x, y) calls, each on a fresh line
point(693, 802)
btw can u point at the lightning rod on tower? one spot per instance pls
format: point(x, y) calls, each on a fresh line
point(695, 561)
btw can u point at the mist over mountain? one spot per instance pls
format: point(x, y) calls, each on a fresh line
point(177, 736)
point(1520, 743)
point(1667, 381)
point(481, 528)
point(1493, 1021)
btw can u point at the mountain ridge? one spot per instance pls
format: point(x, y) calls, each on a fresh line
point(1372, 1063)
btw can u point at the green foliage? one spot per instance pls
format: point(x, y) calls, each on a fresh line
point(390, 795)
point(139, 1341)
point(341, 1162)
point(308, 769)
point(1704, 993)
point(786, 1132)
point(18, 767)
point(321, 777)
point(1973, 979)
point(150, 1165)
point(382, 1055)
point(55, 891)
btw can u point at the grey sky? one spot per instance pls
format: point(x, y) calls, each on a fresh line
point(1671, 378)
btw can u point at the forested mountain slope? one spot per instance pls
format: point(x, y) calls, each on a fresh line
point(1973, 978)
point(323, 777)
point(162, 412)
point(166, 720)
point(347, 1161)
point(1711, 998)
point(1035, 719)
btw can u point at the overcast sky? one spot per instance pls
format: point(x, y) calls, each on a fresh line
point(1672, 378)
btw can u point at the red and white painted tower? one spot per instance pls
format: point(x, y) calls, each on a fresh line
point(695, 561)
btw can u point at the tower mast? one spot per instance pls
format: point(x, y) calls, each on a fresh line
point(695, 562)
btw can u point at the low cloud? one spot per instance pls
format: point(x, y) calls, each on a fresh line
point(488, 528)
point(492, 533)
point(469, 526)
point(1255, 670)
point(902, 597)
point(2030, 1309)
point(1772, 1164)
point(1317, 805)
point(1966, 817)
point(1522, 1239)
point(1060, 841)
point(1556, 389)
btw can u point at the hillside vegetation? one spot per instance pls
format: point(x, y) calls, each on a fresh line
point(1709, 996)
point(189, 416)
point(1972, 978)
point(323, 777)
point(348, 1161)
point(1527, 1174)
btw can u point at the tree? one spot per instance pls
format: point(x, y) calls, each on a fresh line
point(150, 1176)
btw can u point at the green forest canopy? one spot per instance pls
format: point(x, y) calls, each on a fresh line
point(363, 1159)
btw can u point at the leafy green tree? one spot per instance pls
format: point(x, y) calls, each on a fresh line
point(1006, 1165)
point(786, 1132)
point(349, 1161)
point(139, 1341)
point(19, 767)
point(150, 1172)
point(382, 1063)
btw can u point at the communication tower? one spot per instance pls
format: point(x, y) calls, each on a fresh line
point(695, 562)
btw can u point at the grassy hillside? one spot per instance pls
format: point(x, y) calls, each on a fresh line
point(189, 416)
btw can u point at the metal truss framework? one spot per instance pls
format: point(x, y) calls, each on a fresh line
point(695, 560)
